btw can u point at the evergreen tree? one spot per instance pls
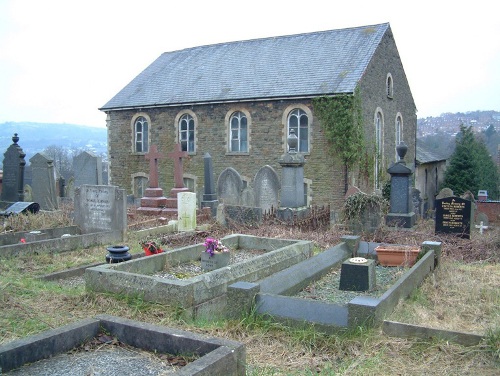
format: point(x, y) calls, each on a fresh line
point(471, 167)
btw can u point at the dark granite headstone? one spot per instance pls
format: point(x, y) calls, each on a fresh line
point(13, 172)
point(209, 194)
point(453, 216)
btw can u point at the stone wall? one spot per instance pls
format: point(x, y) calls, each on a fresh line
point(267, 135)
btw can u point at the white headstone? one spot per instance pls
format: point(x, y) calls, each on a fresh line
point(186, 211)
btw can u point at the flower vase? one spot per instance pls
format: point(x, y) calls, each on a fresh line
point(218, 260)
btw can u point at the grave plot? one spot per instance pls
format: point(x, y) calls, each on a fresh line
point(283, 295)
point(202, 295)
point(123, 347)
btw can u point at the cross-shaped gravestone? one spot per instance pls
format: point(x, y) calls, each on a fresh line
point(153, 157)
point(177, 156)
point(481, 227)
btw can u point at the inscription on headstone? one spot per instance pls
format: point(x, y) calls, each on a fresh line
point(100, 208)
point(453, 215)
point(266, 187)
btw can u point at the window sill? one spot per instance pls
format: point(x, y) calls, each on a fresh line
point(237, 153)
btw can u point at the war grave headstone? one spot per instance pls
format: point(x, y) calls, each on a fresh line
point(44, 189)
point(100, 208)
point(88, 169)
point(267, 188)
point(186, 211)
point(13, 172)
point(453, 216)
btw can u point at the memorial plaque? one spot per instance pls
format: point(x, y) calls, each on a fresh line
point(453, 216)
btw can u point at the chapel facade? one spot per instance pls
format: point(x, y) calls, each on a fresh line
point(239, 101)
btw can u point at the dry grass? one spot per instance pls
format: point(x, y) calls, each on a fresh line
point(463, 295)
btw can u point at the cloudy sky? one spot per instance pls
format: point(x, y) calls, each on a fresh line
point(61, 60)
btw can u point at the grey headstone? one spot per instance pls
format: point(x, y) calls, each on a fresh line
point(44, 189)
point(13, 172)
point(443, 193)
point(88, 169)
point(100, 208)
point(266, 188)
point(230, 186)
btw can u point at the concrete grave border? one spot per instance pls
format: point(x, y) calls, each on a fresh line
point(272, 296)
point(218, 356)
point(203, 295)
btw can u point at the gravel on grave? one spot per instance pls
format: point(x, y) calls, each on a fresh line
point(191, 269)
point(327, 288)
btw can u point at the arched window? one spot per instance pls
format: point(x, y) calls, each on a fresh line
point(399, 132)
point(238, 133)
point(298, 121)
point(186, 133)
point(389, 86)
point(379, 147)
point(141, 135)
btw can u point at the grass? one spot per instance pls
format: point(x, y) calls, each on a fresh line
point(462, 295)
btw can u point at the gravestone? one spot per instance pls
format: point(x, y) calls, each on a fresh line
point(13, 172)
point(209, 195)
point(230, 187)
point(153, 201)
point(267, 188)
point(44, 190)
point(453, 216)
point(100, 208)
point(186, 211)
point(88, 169)
point(177, 155)
point(401, 204)
point(443, 193)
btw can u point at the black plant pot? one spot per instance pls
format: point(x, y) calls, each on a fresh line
point(117, 253)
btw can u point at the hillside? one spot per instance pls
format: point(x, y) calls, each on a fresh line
point(35, 137)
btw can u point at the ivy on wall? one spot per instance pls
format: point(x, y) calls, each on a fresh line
point(342, 120)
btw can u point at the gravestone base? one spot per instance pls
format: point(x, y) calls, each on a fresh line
point(289, 214)
point(153, 202)
point(357, 276)
point(212, 205)
point(401, 220)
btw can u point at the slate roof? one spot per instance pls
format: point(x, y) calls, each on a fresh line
point(302, 65)
point(425, 155)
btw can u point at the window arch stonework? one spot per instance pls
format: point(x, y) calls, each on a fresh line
point(141, 131)
point(238, 141)
point(306, 138)
point(184, 135)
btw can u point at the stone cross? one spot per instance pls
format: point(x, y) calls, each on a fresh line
point(481, 227)
point(153, 157)
point(177, 156)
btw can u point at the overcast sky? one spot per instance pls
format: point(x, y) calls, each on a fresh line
point(60, 60)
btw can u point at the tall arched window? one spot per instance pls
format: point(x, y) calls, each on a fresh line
point(141, 135)
point(399, 133)
point(299, 122)
point(238, 133)
point(389, 86)
point(186, 133)
point(379, 148)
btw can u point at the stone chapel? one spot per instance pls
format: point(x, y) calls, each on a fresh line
point(238, 101)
